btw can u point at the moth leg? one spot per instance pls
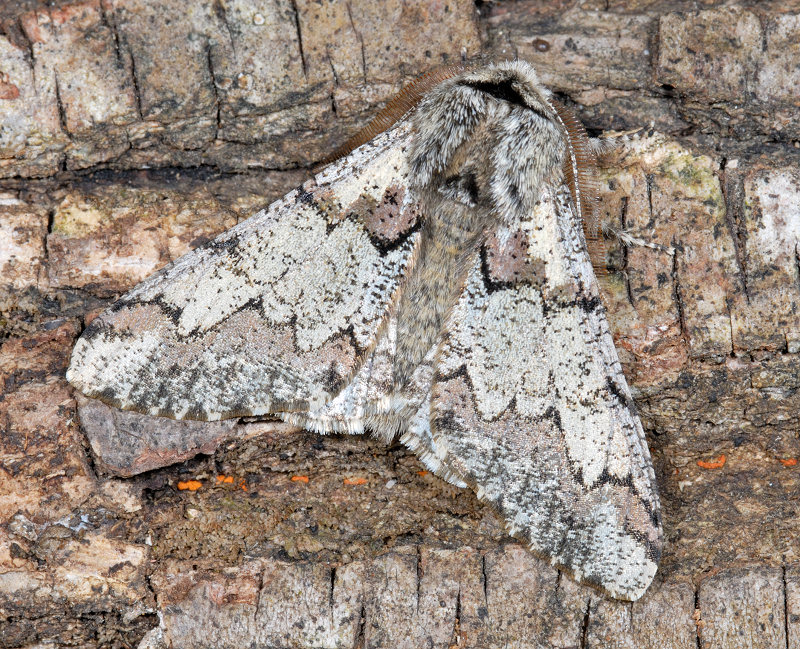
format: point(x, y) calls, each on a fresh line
point(612, 142)
point(629, 240)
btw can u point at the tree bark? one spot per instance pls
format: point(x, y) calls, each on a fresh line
point(133, 130)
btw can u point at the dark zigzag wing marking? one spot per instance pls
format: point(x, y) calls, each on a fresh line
point(522, 409)
point(277, 313)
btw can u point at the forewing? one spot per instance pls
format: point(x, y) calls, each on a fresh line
point(276, 314)
point(530, 406)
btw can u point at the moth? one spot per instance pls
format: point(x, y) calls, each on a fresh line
point(433, 284)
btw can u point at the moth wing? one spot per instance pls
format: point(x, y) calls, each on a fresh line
point(277, 314)
point(529, 406)
point(361, 403)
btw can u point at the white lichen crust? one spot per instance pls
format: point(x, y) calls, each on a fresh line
point(434, 284)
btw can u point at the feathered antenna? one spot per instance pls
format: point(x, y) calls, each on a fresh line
point(398, 106)
point(580, 173)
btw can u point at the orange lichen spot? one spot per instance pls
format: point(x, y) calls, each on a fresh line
point(299, 478)
point(189, 485)
point(355, 481)
point(788, 461)
point(223, 479)
point(423, 473)
point(713, 464)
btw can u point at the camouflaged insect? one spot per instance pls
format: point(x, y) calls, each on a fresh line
point(433, 284)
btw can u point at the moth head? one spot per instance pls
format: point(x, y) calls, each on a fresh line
point(489, 138)
point(492, 136)
point(513, 82)
point(517, 80)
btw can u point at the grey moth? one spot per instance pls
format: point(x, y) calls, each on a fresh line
point(433, 284)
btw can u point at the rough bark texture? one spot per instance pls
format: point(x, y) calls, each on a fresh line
point(133, 130)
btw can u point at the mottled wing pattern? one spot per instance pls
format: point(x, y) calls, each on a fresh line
point(363, 403)
point(371, 402)
point(276, 314)
point(530, 406)
point(415, 403)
